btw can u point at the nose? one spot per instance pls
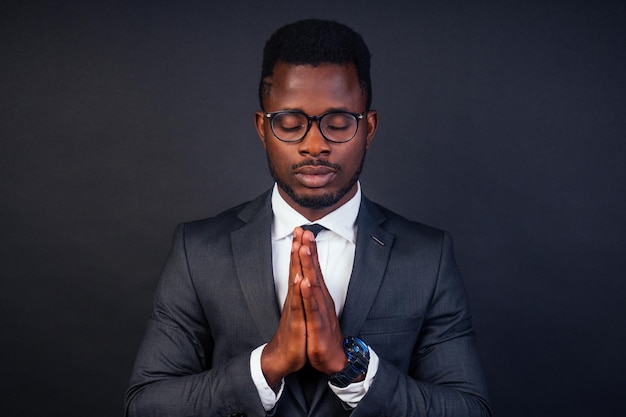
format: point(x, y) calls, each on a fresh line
point(314, 143)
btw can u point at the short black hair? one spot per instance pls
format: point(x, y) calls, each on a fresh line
point(315, 42)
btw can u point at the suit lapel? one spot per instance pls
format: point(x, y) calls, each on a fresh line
point(373, 247)
point(252, 253)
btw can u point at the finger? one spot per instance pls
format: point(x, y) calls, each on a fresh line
point(314, 297)
point(308, 258)
point(295, 267)
point(294, 295)
point(312, 271)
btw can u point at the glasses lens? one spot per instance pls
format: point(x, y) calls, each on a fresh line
point(289, 126)
point(339, 127)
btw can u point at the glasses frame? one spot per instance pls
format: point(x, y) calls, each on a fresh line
point(310, 120)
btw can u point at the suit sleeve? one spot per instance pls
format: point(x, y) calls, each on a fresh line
point(173, 375)
point(445, 378)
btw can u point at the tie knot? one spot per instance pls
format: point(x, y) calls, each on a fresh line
point(315, 228)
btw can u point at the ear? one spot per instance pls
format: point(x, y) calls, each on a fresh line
point(259, 123)
point(372, 125)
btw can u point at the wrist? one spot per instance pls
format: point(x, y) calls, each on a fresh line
point(271, 367)
point(338, 364)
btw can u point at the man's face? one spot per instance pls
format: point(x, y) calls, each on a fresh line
point(314, 175)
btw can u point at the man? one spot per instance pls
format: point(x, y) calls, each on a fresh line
point(255, 316)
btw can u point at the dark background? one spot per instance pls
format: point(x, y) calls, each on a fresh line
point(502, 122)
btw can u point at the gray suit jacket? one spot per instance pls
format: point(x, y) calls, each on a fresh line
point(216, 302)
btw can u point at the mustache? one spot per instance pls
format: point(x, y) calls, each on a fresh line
point(316, 163)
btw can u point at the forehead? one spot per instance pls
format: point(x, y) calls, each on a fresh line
point(314, 89)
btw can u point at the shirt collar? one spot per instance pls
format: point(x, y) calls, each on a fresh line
point(341, 221)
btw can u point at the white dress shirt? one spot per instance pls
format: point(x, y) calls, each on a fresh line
point(335, 248)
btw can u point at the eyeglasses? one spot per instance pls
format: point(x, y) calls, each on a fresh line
point(293, 125)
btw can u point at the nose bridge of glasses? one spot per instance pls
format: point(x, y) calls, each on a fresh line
point(318, 122)
point(314, 132)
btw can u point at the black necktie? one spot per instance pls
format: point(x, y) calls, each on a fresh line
point(308, 377)
point(315, 228)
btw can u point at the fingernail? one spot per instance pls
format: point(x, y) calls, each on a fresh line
point(296, 278)
point(308, 250)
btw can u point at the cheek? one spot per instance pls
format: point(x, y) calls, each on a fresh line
point(277, 157)
point(354, 157)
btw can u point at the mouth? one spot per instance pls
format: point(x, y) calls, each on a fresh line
point(315, 176)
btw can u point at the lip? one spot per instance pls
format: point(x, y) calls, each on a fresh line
point(314, 170)
point(315, 176)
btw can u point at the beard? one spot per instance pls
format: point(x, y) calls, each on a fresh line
point(321, 201)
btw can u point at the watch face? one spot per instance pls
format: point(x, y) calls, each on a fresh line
point(355, 347)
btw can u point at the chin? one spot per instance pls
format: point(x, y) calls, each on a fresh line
point(318, 200)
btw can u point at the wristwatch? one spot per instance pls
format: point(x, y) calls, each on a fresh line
point(358, 359)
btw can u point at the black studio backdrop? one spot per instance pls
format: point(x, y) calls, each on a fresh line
point(502, 122)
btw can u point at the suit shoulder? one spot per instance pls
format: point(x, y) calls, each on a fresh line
point(401, 226)
point(228, 219)
point(225, 222)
